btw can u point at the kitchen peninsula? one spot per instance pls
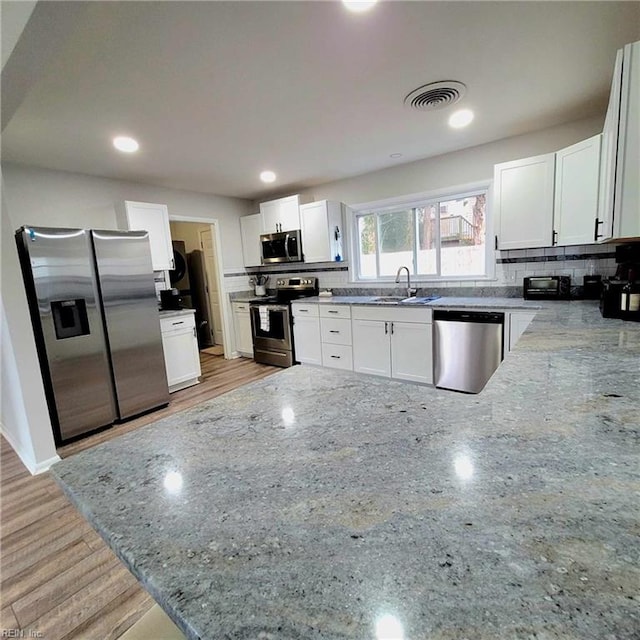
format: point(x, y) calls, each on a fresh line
point(321, 503)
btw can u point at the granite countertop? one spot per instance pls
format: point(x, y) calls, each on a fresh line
point(324, 504)
point(443, 302)
point(170, 313)
point(253, 298)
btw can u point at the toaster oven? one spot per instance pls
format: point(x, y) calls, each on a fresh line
point(547, 288)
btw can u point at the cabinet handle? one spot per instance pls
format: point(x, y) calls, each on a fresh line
point(303, 310)
point(554, 238)
point(597, 235)
point(330, 311)
point(194, 332)
point(495, 242)
point(336, 357)
point(333, 331)
point(181, 322)
point(386, 328)
point(391, 323)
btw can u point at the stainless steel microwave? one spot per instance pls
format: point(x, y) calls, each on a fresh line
point(285, 246)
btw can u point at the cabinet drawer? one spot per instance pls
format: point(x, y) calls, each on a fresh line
point(337, 356)
point(177, 323)
point(305, 310)
point(335, 311)
point(240, 307)
point(390, 314)
point(335, 330)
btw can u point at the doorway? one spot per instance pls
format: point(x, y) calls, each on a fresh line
point(200, 242)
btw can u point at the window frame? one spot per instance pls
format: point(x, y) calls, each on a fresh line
point(411, 202)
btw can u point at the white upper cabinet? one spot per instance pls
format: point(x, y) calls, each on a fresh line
point(282, 214)
point(322, 231)
point(619, 206)
point(250, 230)
point(523, 202)
point(604, 222)
point(154, 218)
point(576, 192)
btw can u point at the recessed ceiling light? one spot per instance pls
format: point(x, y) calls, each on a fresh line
point(267, 176)
point(126, 144)
point(461, 118)
point(358, 6)
point(395, 155)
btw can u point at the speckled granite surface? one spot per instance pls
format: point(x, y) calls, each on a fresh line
point(173, 313)
point(323, 504)
point(440, 303)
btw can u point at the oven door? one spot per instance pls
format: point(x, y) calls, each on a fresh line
point(271, 327)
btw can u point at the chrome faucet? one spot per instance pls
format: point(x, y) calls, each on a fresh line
point(410, 291)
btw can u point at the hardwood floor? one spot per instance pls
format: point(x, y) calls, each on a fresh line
point(58, 578)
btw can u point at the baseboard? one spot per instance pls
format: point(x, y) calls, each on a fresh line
point(33, 467)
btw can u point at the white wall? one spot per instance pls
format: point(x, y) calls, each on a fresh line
point(56, 198)
point(35, 196)
point(470, 165)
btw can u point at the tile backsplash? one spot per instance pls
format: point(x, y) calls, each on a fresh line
point(511, 268)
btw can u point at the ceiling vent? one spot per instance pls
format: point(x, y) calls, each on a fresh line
point(436, 95)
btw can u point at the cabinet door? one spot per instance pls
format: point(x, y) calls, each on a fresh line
point(250, 230)
point(314, 223)
point(281, 215)
point(322, 231)
point(180, 357)
point(371, 347)
point(626, 201)
point(306, 338)
point(576, 192)
point(290, 213)
point(604, 230)
point(411, 352)
point(524, 202)
point(242, 325)
point(270, 212)
point(154, 218)
point(518, 322)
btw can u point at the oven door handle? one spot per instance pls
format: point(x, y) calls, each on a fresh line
point(270, 307)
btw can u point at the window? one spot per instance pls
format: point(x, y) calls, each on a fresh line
point(436, 239)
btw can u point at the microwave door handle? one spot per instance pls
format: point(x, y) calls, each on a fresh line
point(286, 246)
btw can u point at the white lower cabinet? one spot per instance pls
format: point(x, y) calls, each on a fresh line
point(306, 333)
point(394, 343)
point(181, 355)
point(242, 327)
point(412, 352)
point(335, 333)
point(517, 324)
point(371, 347)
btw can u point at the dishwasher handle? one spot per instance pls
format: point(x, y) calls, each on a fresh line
point(490, 317)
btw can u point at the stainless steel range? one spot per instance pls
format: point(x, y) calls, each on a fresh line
point(271, 321)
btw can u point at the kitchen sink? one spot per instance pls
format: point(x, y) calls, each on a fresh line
point(389, 299)
point(402, 300)
point(415, 300)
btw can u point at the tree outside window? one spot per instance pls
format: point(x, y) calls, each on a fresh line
point(444, 238)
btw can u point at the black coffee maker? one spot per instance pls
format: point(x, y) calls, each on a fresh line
point(611, 299)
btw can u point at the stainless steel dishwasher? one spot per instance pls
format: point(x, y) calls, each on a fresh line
point(467, 348)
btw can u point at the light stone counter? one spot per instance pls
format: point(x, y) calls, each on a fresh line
point(312, 504)
point(444, 302)
point(174, 313)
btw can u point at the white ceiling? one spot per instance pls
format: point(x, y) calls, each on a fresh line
point(218, 91)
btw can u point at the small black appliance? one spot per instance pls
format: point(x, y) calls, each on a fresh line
point(170, 300)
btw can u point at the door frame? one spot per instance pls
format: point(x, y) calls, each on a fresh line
point(220, 293)
point(224, 298)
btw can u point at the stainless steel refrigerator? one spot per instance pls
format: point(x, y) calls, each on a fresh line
point(95, 319)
